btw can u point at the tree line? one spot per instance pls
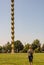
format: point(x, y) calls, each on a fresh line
point(20, 48)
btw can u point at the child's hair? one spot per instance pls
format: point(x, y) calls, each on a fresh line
point(30, 47)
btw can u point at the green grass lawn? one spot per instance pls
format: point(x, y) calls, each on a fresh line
point(21, 59)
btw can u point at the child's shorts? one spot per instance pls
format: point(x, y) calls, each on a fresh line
point(30, 58)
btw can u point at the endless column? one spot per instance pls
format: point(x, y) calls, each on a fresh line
point(12, 25)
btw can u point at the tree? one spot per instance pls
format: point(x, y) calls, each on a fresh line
point(18, 46)
point(4, 49)
point(7, 48)
point(26, 47)
point(36, 44)
point(43, 47)
point(0, 49)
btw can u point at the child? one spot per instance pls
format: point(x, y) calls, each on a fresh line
point(30, 55)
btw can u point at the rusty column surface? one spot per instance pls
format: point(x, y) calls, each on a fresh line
point(12, 26)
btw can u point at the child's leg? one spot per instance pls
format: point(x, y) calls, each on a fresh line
point(30, 63)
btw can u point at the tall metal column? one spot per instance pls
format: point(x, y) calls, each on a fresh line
point(12, 26)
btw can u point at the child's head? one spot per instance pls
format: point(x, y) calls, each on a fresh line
point(30, 47)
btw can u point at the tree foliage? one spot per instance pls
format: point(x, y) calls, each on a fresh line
point(26, 47)
point(18, 46)
point(6, 48)
point(36, 44)
point(43, 47)
point(0, 49)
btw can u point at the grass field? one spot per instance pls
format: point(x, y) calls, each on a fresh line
point(21, 59)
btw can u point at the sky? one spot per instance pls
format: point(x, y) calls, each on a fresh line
point(29, 21)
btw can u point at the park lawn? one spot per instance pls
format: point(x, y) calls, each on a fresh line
point(21, 59)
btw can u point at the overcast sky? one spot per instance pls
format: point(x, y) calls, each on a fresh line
point(29, 21)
